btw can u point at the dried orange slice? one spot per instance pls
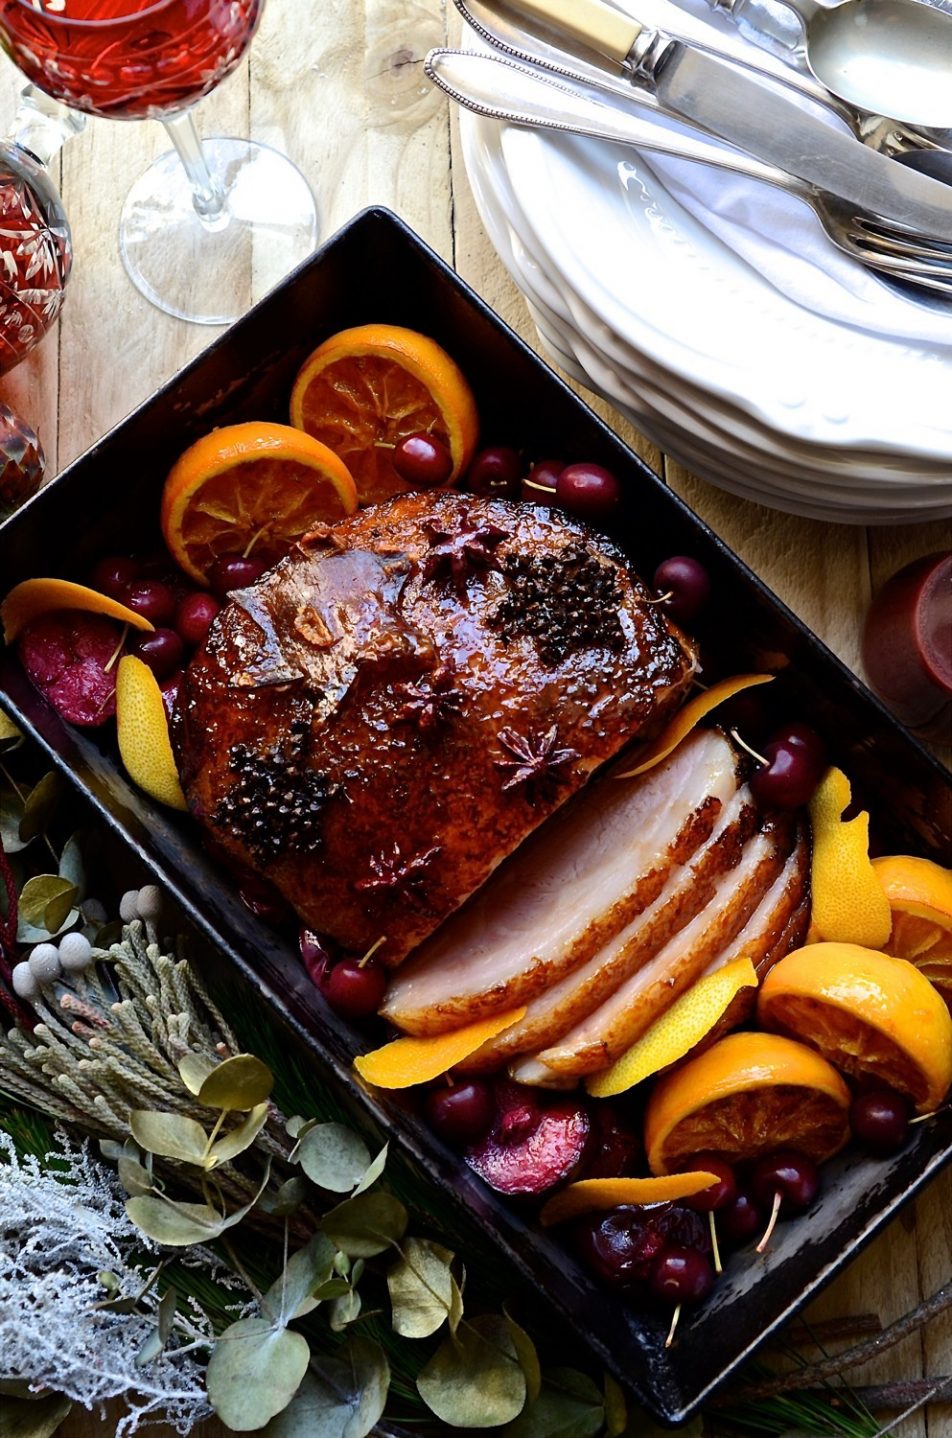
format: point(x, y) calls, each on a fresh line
point(250, 489)
point(143, 731)
point(590, 1195)
point(869, 1014)
point(848, 901)
point(410, 1060)
point(920, 898)
point(747, 1095)
point(27, 601)
point(365, 389)
point(689, 716)
point(676, 1032)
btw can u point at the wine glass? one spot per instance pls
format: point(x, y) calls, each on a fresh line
point(196, 220)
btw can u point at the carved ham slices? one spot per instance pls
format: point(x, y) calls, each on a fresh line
point(609, 912)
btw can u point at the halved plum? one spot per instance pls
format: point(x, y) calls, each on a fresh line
point(535, 1142)
point(71, 657)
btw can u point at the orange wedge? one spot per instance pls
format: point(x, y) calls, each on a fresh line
point(27, 601)
point(409, 1061)
point(848, 900)
point(689, 716)
point(747, 1095)
point(591, 1195)
point(676, 1032)
point(871, 1015)
point(143, 731)
point(920, 900)
point(365, 389)
point(250, 489)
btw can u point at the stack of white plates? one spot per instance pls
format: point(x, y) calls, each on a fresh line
point(770, 399)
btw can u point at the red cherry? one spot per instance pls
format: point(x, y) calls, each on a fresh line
point(114, 574)
point(741, 1220)
point(152, 599)
point(162, 650)
point(539, 484)
point(784, 1182)
point(681, 1275)
point(354, 989)
point(423, 461)
point(234, 572)
point(194, 616)
point(588, 490)
point(460, 1113)
point(685, 585)
point(880, 1120)
point(496, 472)
point(796, 758)
point(720, 1194)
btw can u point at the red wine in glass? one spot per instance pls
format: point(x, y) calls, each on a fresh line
point(192, 223)
point(128, 59)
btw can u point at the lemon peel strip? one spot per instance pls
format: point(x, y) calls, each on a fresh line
point(410, 1060)
point(689, 716)
point(849, 903)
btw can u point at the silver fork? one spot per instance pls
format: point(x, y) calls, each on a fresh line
point(518, 94)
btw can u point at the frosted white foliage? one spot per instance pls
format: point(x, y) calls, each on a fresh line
point(56, 1237)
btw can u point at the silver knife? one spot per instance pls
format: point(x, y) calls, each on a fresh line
point(723, 100)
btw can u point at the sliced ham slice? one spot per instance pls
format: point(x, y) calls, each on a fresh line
point(635, 1004)
point(571, 887)
point(689, 887)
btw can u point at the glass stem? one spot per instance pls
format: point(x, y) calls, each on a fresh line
point(207, 196)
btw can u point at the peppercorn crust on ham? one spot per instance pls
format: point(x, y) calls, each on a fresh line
point(387, 714)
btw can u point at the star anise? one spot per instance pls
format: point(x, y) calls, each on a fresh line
point(456, 555)
point(534, 759)
point(391, 872)
point(432, 702)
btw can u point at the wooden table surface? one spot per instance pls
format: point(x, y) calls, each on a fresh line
point(338, 85)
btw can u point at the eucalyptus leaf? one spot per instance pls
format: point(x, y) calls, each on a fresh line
point(40, 806)
point(527, 1355)
point(254, 1372)
point(616, 1409)
point(372, 1173)
point(112, 1150)
point(344, 1310)
point(151, 1347)
point(304, 1271)
point(33, 1417)
point(37, 934)
point(456, 1307)
point(342, 1396)
point(193, 1070)
point(72, 865)
point(287, 1198)
point(366, 1225)
point(297, 1126)
point(242, 1082)
point(135, 1179)
point(168, 1305)
point(8, 730)
point(39, 893)
point(171, 1135)
point(240, 1138)
point(333, 1288)
point(11, 815)
point(421, 1288)
point(334, 1157)
point(569, 1405)
point(59, 909)
point(177, 1225)
point(474, 1379)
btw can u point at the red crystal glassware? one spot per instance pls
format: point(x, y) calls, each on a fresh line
point(192, 222)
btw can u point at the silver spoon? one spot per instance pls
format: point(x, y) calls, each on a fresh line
point(503, 90)
point(887, 57)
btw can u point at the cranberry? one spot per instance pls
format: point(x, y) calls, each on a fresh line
point(496, 472)
point(588, 490)
point(314, 955)
point(460, 1113)
point(152, 599)
point(681, 1275)
point(784, 1182)
point(423, 461)
point(114, 574)
point(162, 650)
point(194, 616)
point(234, 572)
point(539, 484)
point(795, 758)
point(685, 586)
point(741, 1220)
point(880, 1120)
point(354, 989)
point(720, 1194)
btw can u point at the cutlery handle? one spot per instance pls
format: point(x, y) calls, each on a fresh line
point(602, 28)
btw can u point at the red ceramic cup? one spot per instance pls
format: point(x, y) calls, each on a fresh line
point(907, 646)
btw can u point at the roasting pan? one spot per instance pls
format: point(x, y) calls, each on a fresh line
point(377, 269)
